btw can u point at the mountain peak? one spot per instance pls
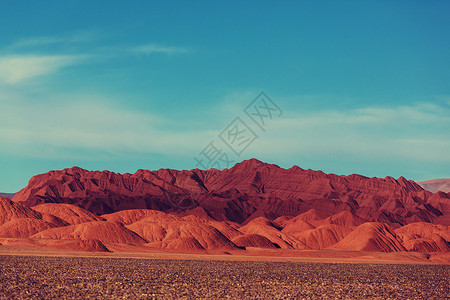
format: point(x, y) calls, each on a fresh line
point(251, 164)
point(76, 168)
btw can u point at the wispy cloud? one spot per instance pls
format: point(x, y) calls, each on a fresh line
point(31, 57)
point(93, 123)
point(157, 48)
point(39, 41)
point(17, 68)
point(417, 132)
point(90, 123)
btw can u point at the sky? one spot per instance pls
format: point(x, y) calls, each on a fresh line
point(348, 86)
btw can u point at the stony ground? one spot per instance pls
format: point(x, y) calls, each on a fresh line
point(114, 278)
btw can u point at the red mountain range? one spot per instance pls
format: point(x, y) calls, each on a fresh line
point(252, 204)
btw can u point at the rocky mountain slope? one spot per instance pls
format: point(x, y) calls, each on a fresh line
point(7, 195)
point(252, 205)
point(150, 229)
point(249, 190)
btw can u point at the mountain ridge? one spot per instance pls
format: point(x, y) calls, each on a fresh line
point(245, 191)
point(251, 207)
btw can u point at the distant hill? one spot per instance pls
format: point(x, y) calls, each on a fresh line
point(7, 195)
point(436, 185)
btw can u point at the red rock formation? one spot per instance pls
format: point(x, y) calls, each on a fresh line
point(7, 195)
point(127, 217)
point(253, 240)
point(162, 229)
point(371, 236)
point(313, 217)
point(323, 236)
point(74, 245)
point(183, 243)
point(249, 190)
point(227, 228)
point(92, 246)
point(69, 213)
point(345, 218)
point(20, 228)
point(271, 231)
point(10, 210)
point(425, 237)
point(155, 229)
point(295, 225)
point(252, 204)
point(105, 232)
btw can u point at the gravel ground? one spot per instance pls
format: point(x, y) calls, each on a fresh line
point(116, 278)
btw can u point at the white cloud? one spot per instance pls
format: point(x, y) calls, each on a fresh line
point(406, 133)
point(90, 123)
point(14, 69)
point(157, 48)
point(17, 66)
point(95, 127)
point(45, 126)
point(73, 38)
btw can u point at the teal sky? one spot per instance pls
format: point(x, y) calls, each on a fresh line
point(364, 86)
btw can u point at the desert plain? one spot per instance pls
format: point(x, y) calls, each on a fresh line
point(188, 277)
